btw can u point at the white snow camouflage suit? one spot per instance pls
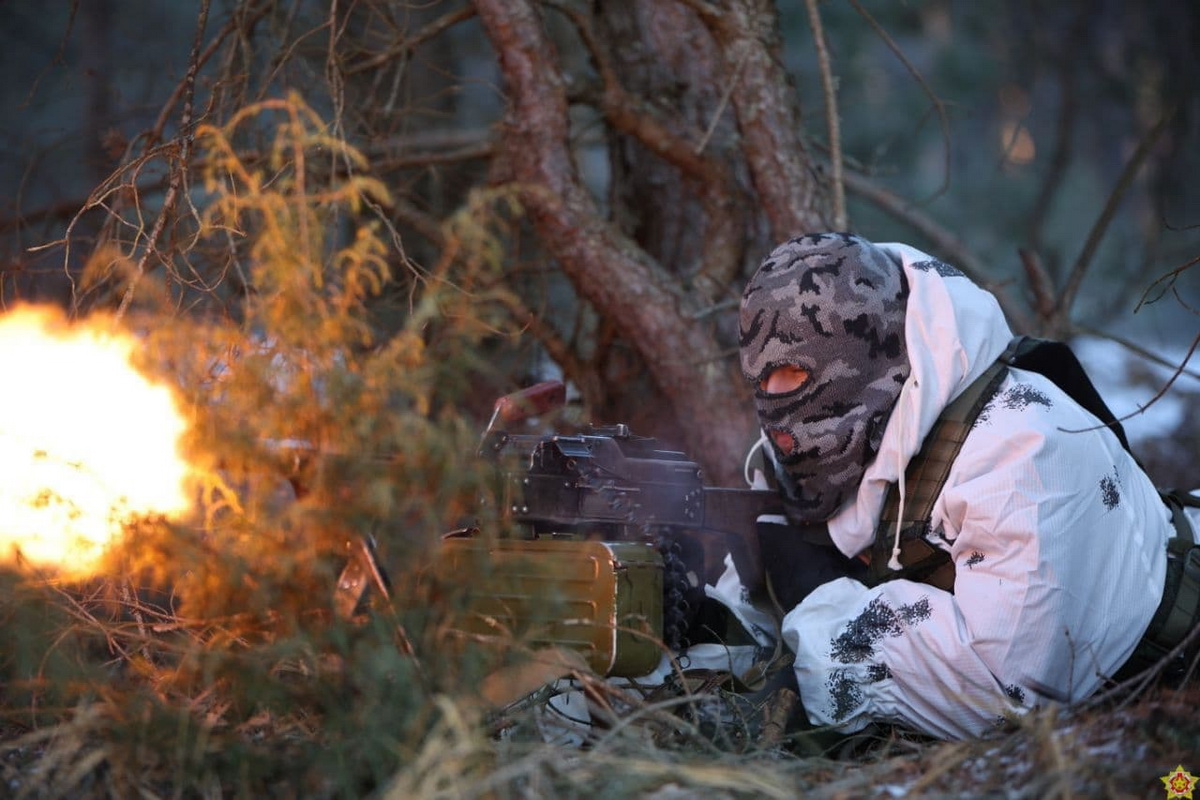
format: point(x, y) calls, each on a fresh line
point(1058, 539)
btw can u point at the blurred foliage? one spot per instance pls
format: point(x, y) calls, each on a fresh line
point(215, 659)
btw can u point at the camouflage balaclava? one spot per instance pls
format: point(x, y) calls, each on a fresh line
point(833, 304)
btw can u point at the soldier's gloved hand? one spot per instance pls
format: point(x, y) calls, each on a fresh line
point(795, 563)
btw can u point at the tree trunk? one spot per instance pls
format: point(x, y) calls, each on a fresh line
point(768, 116)
point(695, 225)
point(607, 268)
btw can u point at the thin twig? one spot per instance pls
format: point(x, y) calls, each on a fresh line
point(1136, 684)
point(409, 43)
point(944, 241)
point(178, 176)
point(1179, 370)
point(1169, 279)
point(832, 118)
point(938, 106)
point(333, 75)
point(1124, 181)
point(723, 103)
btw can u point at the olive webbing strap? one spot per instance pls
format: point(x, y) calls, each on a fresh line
point(1178, 612)
point(924, 478)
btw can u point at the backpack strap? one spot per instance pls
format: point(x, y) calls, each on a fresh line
point(924, 478)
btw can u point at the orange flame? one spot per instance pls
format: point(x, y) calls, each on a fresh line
point(87, 443)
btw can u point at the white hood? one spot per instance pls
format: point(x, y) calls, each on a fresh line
point(954, 330)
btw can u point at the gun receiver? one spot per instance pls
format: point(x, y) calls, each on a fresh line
point(610, 484)
point(610, 525)
point(606, 555)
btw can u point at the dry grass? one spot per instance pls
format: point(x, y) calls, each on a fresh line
point(339, 711)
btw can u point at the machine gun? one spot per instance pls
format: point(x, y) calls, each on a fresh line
point(606, 550)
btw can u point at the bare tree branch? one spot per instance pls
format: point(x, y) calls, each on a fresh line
point(1068, 111)
point(1041, 285)
point(712, 178)
point(944, 241)
point(239, 22)
point(1142, 352)
point(768, 118)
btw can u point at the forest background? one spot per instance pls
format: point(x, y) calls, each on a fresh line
point(354, 223)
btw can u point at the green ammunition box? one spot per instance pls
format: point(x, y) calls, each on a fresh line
point(603, 599)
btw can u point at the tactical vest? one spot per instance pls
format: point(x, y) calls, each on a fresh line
point(1179, 611)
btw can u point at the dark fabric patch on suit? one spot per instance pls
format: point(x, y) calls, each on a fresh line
point(878, 672)
point(984, 417)
point(940, 267)
point(1015, 693)
point(857, 642)
point(916, 612)
point(1021, 396)
point(1110, 491)
point(1014, 398)
point(976, 557)
point(845, 692)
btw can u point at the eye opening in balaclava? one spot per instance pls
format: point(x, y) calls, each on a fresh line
point(832, 304)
